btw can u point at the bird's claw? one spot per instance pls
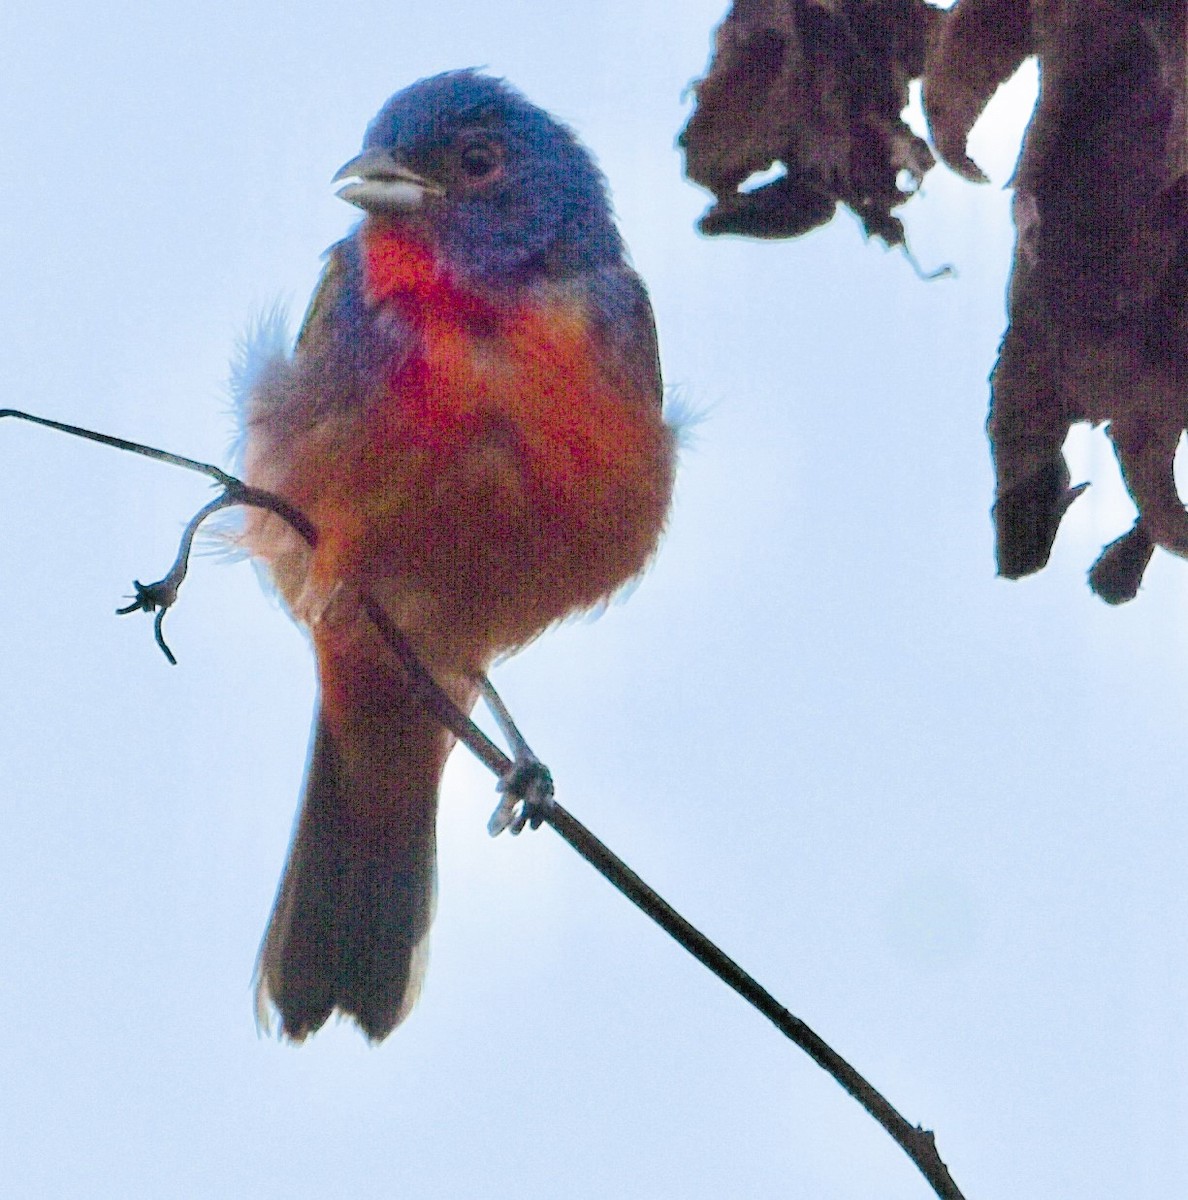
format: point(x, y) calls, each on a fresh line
point(527, 797)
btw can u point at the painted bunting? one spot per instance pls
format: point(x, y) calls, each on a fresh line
point(471, 419)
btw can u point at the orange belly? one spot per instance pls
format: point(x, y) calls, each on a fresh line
point(501, 484)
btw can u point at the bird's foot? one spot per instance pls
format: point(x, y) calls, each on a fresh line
point(527, 785)
point(527, 796)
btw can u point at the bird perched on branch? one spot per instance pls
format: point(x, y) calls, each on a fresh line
point(471, 420)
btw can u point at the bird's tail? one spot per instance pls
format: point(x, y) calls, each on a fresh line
point(349, 928)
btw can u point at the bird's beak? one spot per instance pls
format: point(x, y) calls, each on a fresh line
point(383, 185)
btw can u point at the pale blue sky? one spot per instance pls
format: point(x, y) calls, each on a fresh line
point(939, 815)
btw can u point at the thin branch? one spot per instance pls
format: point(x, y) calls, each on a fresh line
point(106, 439)
point(236, 491)
point(529, 786)
point(917, 1143)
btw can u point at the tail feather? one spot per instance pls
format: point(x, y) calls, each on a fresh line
point(350, 926)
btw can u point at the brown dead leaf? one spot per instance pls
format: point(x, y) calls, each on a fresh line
point(1099, 288)
point(975, 50)
point(818, 86)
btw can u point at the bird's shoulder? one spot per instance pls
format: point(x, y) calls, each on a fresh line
point(618, 313)
point(343, 334)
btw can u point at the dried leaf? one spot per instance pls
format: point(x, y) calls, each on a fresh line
point(980, 45)
point(1099, 289)
point(1099, 286)
point(817, 86)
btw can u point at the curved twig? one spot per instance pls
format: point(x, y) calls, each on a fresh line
point(918, 1143)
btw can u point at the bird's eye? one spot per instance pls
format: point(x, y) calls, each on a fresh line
point(480, 160)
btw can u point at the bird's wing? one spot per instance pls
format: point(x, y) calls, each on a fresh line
point(623, 323)
point(346, 345)
point(324, 301)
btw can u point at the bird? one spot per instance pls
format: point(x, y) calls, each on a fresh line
point(471, 418)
